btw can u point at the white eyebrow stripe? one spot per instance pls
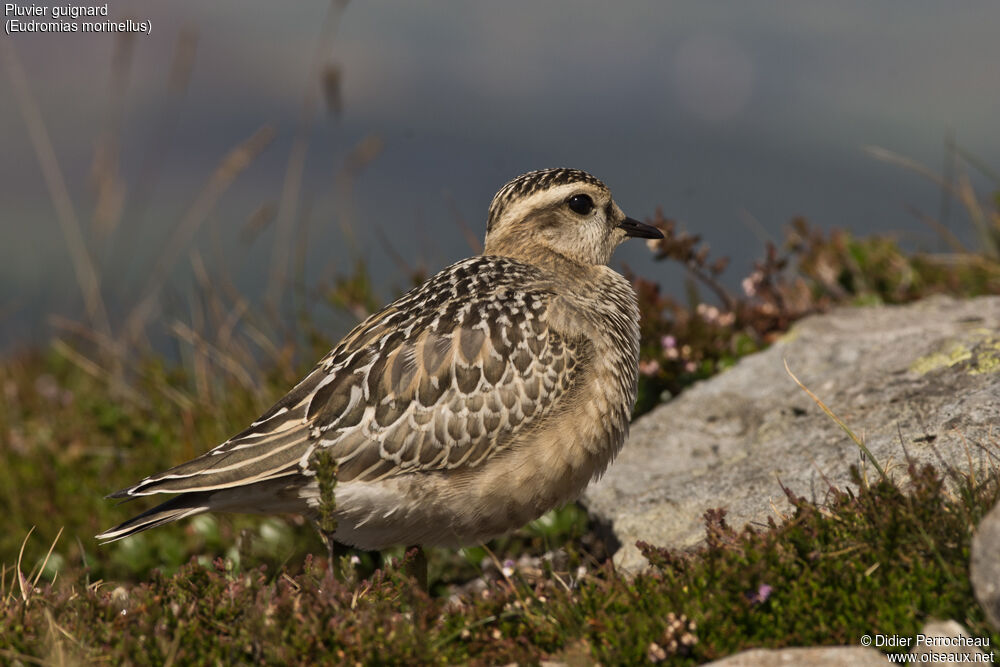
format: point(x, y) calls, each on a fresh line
point(522, 206)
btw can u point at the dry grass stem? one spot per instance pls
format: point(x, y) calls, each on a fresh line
point(292, 186)
point(858, 441)
point(83, 265)
point(231, 166)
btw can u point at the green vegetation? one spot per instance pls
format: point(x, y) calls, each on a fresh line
point(686, 342)
point(882, 560)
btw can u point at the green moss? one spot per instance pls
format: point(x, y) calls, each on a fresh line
point(989, 360)
point(978, 355)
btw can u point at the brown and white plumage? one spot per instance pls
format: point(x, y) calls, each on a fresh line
point(471, 405)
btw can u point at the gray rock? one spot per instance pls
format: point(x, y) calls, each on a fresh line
point(942, 642)
point(928, 373)
point(820, 656)
point(984, 566)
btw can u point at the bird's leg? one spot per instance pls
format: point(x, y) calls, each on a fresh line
point(334, 550)
point(418, 566)
point(332, 557)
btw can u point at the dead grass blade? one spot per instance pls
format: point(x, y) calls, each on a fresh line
point(105, 170)
point(858, 441)
point(95, 370)
point(988, 238)
point(83, 265)
point(155, 155)
point(16, 658)
point(106, 343)
point(292, 187)
point(363, 154)
point(959, 187)
point(939, 228)
point(893, 158)
point(18, 571)
point(231, 166)
point(45, 562)
point(215, 354)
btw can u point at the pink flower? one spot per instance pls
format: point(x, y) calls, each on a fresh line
point(762, 594)
point(649, 367)
point(752, 282)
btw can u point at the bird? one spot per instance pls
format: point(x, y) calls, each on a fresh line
point(481, 399)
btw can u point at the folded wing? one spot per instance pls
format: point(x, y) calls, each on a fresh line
point(443, 378)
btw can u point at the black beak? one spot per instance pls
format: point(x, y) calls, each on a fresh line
point(636, 229)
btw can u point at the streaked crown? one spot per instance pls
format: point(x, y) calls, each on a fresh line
point(534, 182)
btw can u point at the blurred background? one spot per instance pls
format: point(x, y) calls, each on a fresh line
point(279, 145)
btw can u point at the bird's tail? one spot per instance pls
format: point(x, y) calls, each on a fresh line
point(279, 495)
point(179, 507)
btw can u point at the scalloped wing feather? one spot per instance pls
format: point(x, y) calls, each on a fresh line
point(441, 379)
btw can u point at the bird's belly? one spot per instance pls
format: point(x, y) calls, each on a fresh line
point(468, 507)
point(385, 514)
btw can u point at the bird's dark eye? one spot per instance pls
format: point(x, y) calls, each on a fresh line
point(581, 204)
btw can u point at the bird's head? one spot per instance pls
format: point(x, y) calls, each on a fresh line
point(566, 211)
